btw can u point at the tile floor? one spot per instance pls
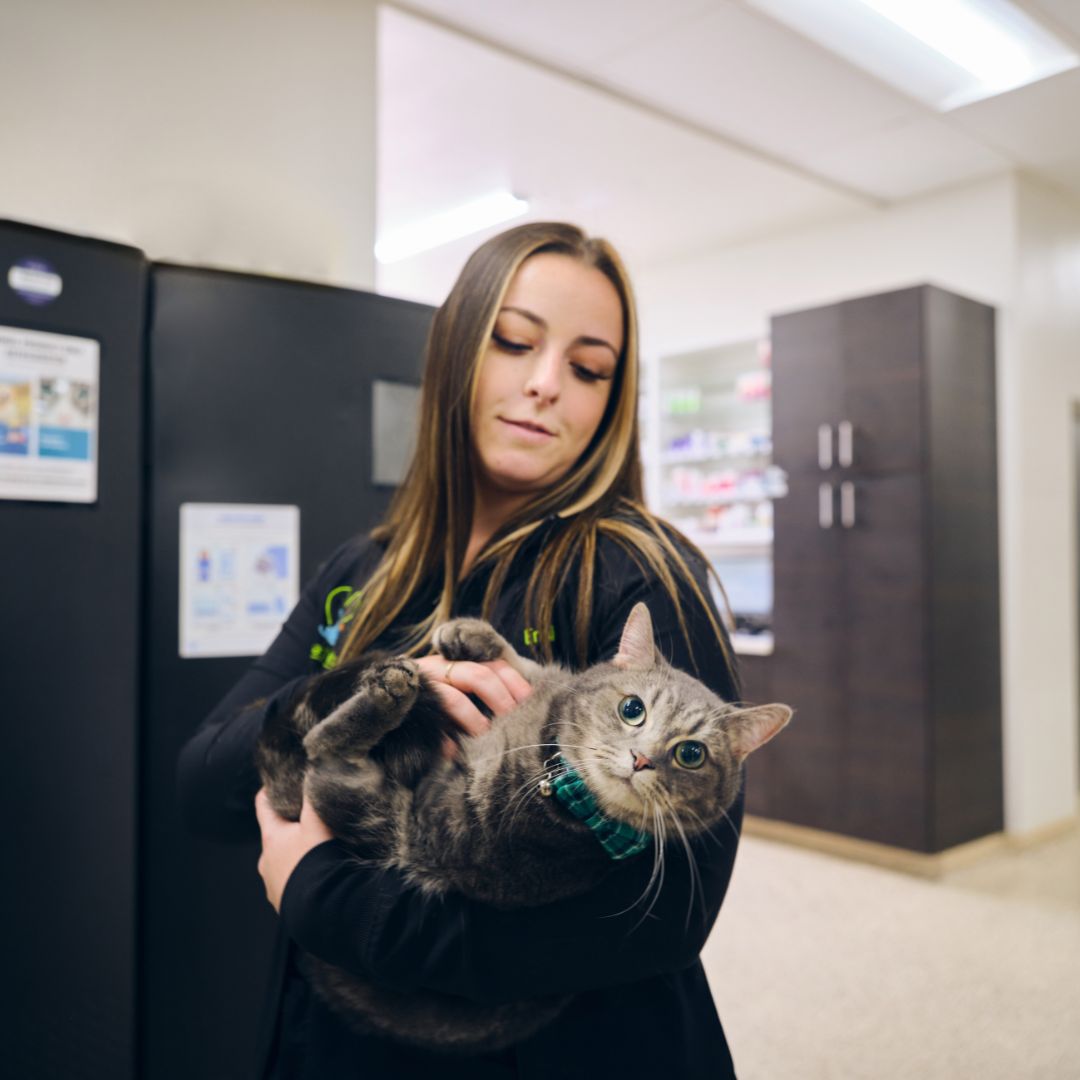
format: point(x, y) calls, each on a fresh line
point(827, 969)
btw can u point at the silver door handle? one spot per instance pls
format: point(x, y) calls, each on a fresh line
point(845, 444)
point(825, 506)
point(847, 504)
point(824, 446)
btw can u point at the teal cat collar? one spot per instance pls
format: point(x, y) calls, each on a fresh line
point(618, 839)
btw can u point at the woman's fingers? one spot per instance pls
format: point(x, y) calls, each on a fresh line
point(284, 843)
point(461, 710)
point(265, 814)
point(493, 682)
point(513, 680)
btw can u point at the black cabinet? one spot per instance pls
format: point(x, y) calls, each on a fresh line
point(886, 572)
point(70, 641)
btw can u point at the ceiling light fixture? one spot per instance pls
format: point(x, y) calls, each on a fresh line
point(946, 53)
point(471, 217)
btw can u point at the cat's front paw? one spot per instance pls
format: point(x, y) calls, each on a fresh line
point(393, 685)
point(384, 695)
point(469, 639)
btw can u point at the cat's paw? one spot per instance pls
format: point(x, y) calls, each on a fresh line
point(383, 698)
point(469, 639)
point(393, 685)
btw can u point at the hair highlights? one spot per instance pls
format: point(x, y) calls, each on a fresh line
point(428, 525)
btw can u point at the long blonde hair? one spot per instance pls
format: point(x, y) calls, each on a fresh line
point(427, 527)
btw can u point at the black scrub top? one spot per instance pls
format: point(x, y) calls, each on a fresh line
point(643, 1006)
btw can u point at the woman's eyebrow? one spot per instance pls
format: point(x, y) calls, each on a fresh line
point(582, 340)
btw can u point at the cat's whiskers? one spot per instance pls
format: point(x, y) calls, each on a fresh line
point(528, 790)
point(731, 825)
point(691, 862)
point(655, 884)
point(706, 832)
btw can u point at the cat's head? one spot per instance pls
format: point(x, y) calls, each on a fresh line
point(649, 739)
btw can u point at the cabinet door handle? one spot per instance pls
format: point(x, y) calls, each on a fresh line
point(845, 438)
point(847, 504)
point(825, 506)
point(824, 446)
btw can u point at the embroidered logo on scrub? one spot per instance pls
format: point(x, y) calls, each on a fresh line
point(532, 635)
point(340, 609)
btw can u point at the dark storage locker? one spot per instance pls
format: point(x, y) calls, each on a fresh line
point(70, 645)
point(886, 614)
point(261, 392)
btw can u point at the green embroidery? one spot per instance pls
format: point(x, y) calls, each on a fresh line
point(346, 608)
point(325, 651)
point(532, 635)
point(324, 655)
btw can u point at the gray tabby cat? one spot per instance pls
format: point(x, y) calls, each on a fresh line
point(592, 767)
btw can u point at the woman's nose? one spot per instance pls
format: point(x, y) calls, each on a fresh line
point(545, 375)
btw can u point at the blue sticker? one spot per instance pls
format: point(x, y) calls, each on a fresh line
point(35, 281)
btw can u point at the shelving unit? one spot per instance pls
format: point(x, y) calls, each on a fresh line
point(713, 475)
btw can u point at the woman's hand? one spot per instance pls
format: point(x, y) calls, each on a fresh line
point(285, 843)
point(494, 682)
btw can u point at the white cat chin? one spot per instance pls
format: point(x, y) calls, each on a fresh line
point(618, 796)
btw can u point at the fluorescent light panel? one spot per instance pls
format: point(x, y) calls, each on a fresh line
point(470, 217)
point(946, 53)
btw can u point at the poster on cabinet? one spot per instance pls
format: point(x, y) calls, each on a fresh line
point(239, 576)
point(48, 416)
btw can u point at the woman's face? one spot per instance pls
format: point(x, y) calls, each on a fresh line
point(546, 375)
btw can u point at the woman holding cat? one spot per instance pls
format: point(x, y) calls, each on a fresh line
point(523, 505)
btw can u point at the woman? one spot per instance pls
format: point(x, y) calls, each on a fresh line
point(523, 504)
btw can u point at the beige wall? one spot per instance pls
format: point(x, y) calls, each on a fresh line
point(238, 134)
point(1014, 244)
point(1039, 384)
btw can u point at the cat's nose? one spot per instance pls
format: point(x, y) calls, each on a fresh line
point(640, 761)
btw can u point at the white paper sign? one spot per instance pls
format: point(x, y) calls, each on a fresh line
point(239, 576)
point(48, 416)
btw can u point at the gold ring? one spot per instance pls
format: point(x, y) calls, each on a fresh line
point(446, 673)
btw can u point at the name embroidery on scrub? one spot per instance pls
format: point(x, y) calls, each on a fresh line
point(340, 608)
point(532, 635)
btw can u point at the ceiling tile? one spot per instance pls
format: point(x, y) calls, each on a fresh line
point(657, 190)
point(738, 73)
point(909, 159)
point(1063, 17)
point(1037, 125)
point(577, 33)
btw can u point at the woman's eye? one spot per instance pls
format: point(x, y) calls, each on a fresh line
point(510, 346)
point(632, 711)
point(690, 754)
point(587, 374)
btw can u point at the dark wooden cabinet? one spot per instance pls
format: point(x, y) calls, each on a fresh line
point(885, 573)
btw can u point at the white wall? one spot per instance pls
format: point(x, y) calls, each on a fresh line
point(1039, 382)
point(1011, 243)
point(238, 134)
point(961, 239)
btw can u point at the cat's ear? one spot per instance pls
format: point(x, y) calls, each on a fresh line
point(636, 649)
point(754, 727)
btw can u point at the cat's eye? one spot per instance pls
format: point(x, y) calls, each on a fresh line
point(690, 754)
point(632, 711)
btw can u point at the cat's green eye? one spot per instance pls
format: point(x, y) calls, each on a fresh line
point(632, 711)
point(690, 754)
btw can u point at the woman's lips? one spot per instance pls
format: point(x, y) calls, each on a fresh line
point(529, 429)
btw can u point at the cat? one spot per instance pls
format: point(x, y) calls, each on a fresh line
point(639, 749)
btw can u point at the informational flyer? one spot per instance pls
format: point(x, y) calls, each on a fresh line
point(48, 416)
point(239, 576)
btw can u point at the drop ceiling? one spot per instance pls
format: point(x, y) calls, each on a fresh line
point(673, 128)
